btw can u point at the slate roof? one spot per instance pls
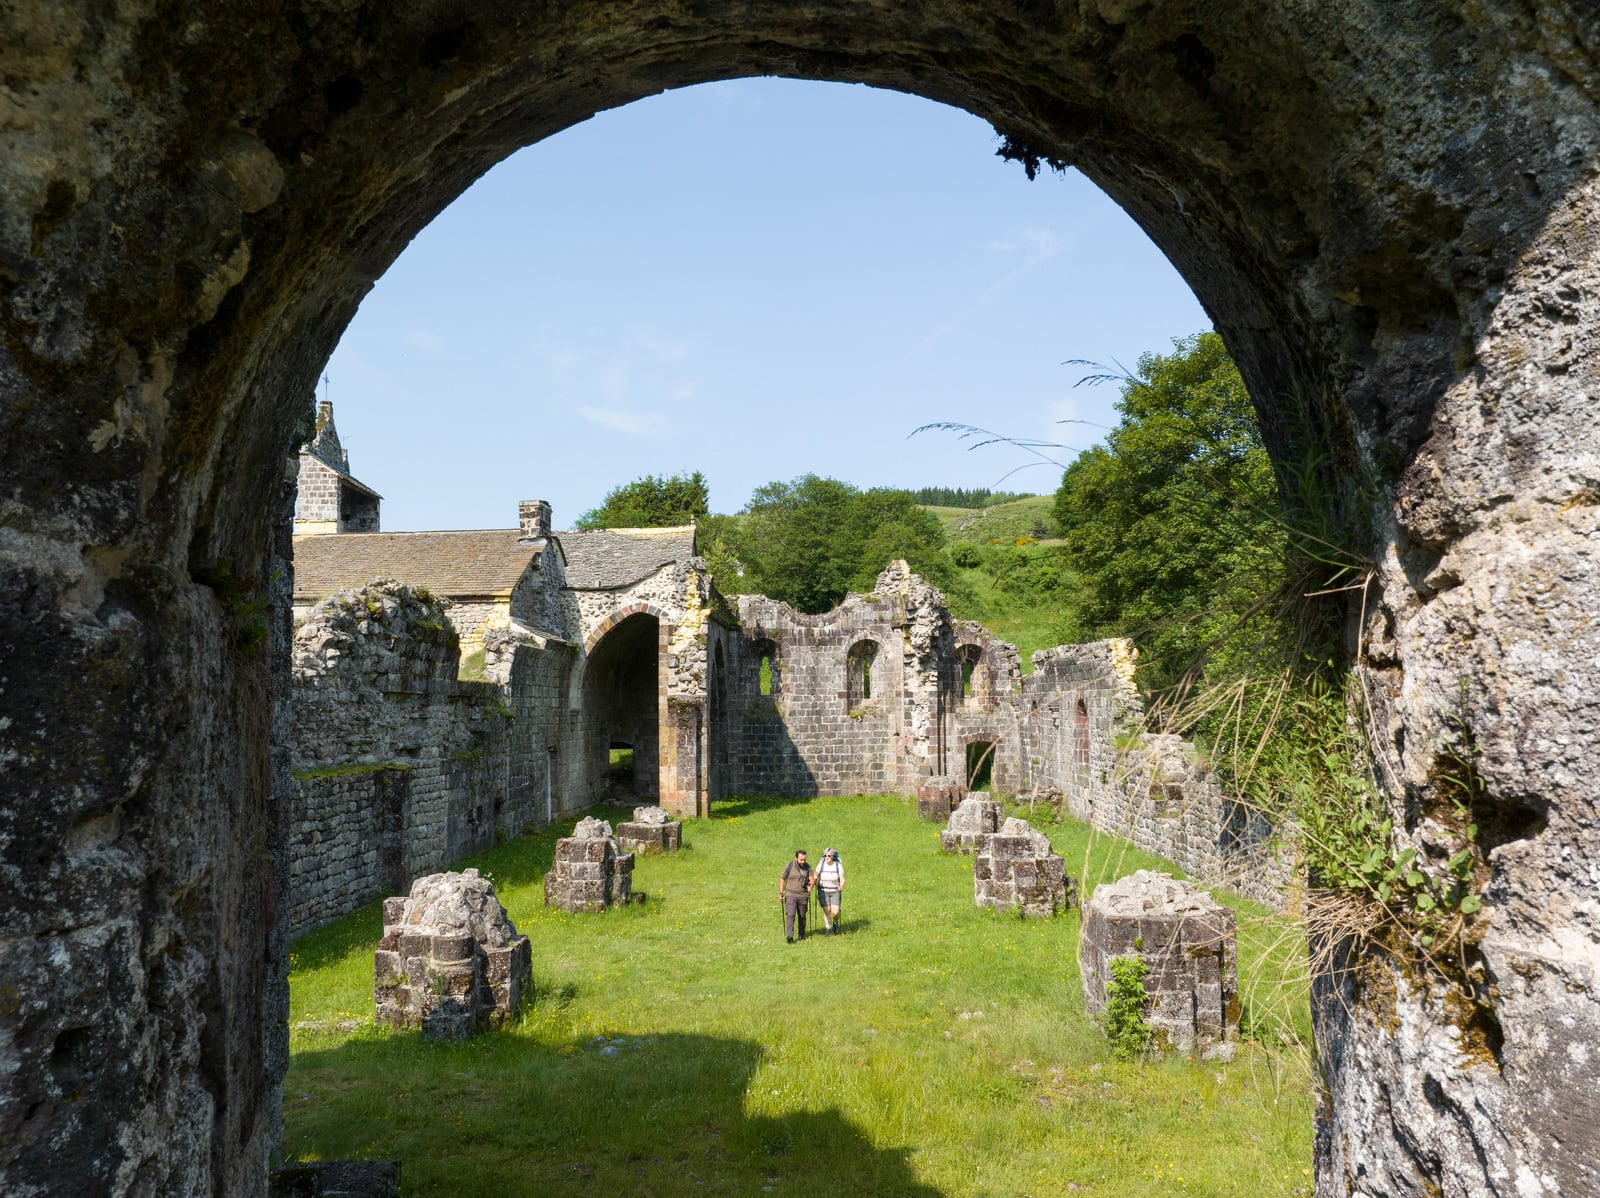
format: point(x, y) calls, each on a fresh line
point(481, 563)
point(605, 558)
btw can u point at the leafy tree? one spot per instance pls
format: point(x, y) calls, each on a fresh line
point(965, 496)
point(652, 502)
point(811, 540)
point(1174, 524)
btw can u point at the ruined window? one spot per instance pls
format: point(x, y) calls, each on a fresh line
point(967, 659)
point(766, 655)
point(858, 673)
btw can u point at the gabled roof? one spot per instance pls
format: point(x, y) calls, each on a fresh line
point(344, 476)
point(604, 558)
point(482, 563)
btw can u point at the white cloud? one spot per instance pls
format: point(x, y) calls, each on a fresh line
point(624, 420)
point(423, 339)
point(664, 348)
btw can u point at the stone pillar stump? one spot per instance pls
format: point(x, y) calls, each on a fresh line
point(1187, 941)
point(591, 873)
point(652, 830)
point(936, 796)
point(978, 816)
point(1017, 869)
point(450, 962)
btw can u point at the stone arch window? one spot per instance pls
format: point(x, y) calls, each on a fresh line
point(858, 673)
point(969, 660)
point(768, 670)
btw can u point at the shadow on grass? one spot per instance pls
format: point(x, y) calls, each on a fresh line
point(649, 1114)
point(744, 805)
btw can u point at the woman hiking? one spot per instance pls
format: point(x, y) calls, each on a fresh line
point(830, 882)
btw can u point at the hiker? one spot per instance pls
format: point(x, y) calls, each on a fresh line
point(830, 881)
point(794, 888)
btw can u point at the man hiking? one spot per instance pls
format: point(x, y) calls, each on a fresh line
point(794, 888)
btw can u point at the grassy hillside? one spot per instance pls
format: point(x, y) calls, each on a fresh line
point(681, 1047)
point(1029, 517)
point(1022, 593)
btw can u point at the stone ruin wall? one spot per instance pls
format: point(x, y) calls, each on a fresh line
point(807, 737)
point(989, 712)
point(399, 769)
point(1083, 728)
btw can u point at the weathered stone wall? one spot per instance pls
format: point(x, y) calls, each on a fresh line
point(988, 713)
point(399, 768)
point(826, 739)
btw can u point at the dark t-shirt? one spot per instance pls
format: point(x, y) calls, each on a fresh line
point(796, 878)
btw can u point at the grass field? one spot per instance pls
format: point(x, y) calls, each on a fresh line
point(1026, 517)
point(680, 1047)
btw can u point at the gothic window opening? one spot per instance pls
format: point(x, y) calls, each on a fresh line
point(766, 655)
point(858, 673)
point(968, 658)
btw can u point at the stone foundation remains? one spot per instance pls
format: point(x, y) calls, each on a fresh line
point(450, 962)
point(1187, 941)
point(1017, 869)
point(652, 830)
point(939, 796)
point(590, 872)
point(970, 824)
point(336, 1179)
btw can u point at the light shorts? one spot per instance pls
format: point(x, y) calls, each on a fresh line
point(830, 898)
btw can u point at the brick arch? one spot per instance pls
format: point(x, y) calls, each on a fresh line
point(618, 616)
point(1390, 221)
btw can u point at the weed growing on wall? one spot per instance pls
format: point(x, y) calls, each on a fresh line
point(1126, 1004)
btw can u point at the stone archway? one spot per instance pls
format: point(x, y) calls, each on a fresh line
point(1389, 211)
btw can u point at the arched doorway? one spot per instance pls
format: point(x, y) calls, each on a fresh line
point(620, 710)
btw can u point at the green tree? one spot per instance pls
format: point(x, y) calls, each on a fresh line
point(811, 540)
point(652, 502)
point(1174, 524)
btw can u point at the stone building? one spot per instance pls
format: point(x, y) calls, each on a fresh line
point(329, 497)
point(594, 641)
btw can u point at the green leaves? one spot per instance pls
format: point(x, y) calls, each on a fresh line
point(1126, 1003)
point(652, 502)
point(809, 541)
point(1173, 523)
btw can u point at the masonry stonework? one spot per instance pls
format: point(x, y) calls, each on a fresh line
point(1188, 943)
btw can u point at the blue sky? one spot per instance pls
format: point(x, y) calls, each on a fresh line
point(755, 279)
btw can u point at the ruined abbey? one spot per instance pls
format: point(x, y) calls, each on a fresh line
point(1390, 211)
point(619, 639)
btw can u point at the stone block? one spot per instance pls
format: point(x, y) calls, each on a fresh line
point(433, 968)
point(1187, 941)
point(1017, 869)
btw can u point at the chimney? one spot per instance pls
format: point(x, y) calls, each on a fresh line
point(533, 515)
